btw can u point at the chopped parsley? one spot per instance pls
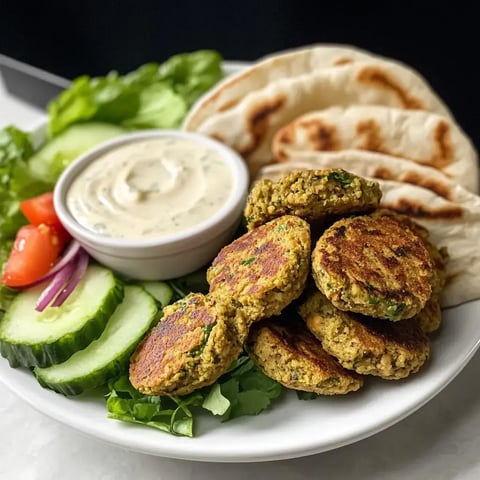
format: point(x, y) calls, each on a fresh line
point(374, 300)
point(343, 178)
point(248, 261)
point(395, 310)
point(195, 352)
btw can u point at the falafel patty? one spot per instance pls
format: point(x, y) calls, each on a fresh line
point(374, 266)
point(369, 346)
point(265, 269)
point(311, 194)
point(195, 342)
point(288, 353)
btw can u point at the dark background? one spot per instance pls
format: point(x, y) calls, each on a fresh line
point(72, 38)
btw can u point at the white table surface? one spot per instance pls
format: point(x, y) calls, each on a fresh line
point(441, 441)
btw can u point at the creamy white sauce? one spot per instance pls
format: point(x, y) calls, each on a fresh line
point(150, 188)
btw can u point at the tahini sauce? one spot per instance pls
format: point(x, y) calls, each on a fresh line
point(150, 188)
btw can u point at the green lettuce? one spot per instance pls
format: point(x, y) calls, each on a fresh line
point(16, 179)
point(242, 390)
point(153, 96)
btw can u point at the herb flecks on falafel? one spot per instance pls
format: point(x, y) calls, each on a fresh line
point(287, 352)
point(264, 270)
point(374, 266)
point(369, 346)
point(314, 195)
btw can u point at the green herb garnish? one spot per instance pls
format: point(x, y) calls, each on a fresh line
point(395, 310)
point(374, 300)
point(248, 261)
point(343, 178)
point(195, 352)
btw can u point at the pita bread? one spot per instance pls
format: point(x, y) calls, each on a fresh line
point(453, 221)
point(366, 164)
point(250, 126)
point(286, 64)
point(422, 137)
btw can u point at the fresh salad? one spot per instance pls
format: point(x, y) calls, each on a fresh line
point(75, 322)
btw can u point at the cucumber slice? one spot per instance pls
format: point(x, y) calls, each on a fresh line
point(108, 356)
point(49, 162)
point(161, 291)
point(29, 338)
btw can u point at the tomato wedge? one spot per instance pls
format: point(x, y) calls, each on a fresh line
point(35, 250)
point(40, 210)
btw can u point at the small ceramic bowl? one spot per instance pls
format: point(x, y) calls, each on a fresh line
point(168, 256)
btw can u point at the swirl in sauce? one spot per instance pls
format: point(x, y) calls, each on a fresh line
point(150, 188)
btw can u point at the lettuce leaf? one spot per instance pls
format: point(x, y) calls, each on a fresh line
point(16, 179)
point(153, 96)
point(169, 414)
point(242, 390)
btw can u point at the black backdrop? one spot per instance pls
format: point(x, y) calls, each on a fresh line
point(71, 38)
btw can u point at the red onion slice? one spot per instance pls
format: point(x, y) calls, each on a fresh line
point(81, 265)
point(70, 253)
point(54, 287)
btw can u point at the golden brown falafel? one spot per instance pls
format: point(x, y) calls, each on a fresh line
point(195, 342)
point(369, 346)
point(287, 352)
point(374, 266)
point(311, 194)
point(265, 269)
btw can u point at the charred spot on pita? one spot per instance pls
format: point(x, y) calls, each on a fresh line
point(257, 122)
point(378, 78)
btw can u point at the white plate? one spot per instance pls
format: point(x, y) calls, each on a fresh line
point(292, 428)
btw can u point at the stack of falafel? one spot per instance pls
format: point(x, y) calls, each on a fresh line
point(366, 308)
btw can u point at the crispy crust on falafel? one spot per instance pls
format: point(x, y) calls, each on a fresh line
point(369, 346)
point(195, 342)
point(265, 269)
point(373, 266)
point(287, 352)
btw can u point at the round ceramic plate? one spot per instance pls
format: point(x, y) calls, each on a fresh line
point(291, 428)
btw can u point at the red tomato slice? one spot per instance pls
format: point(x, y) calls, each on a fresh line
point(40, 210)
point(34, 252)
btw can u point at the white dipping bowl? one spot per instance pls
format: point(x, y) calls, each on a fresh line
point(166, 256)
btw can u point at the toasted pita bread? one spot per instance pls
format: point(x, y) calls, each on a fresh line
point(250, 126)
point(422, 137)
point(269, 69)
point(453, 220)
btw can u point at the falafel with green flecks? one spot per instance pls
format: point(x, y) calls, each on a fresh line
point(287, 352)
point(374, 266)
point(369, 346)
point(195, 342)
point(314, 195)
point(265, 269)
